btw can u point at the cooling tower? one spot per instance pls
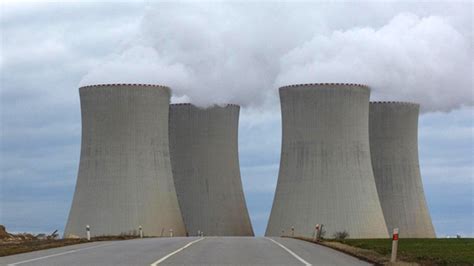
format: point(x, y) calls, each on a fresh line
point(125, 179)
point(325, 170)
point(394, 150)
point(205, 161)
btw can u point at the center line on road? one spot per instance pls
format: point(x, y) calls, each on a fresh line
point(291, 252)
point(176, 251)
point(58, 254)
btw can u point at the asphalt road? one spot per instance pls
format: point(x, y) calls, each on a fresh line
point(188, 251)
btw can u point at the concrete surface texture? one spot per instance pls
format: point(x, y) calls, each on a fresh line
point(205, 163)
point(208, 251)
point(325, 174)
point(125, 179)
point(393, 129)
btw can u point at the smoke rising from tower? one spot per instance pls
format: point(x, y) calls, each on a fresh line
point(241, 53)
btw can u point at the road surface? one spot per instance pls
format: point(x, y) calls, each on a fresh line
point(187, 251)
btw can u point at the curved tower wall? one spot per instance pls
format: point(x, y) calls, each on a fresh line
point(325, 172)
point(394, 150)
point(125, 179)
point(205, 161)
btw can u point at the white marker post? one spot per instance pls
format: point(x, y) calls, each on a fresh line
point(140, 229)
point(88, 232)
point(394, 245)
point(292, 231)
point(171, 232)
point(316, 233)
point(199, 233)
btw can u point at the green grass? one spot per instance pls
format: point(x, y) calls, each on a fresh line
point(423, 251)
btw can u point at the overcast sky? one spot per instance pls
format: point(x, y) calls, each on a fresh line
point(239, 52)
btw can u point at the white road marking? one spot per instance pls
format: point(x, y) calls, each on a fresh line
point(176, 251)
point(58, 254)
point(291, 252)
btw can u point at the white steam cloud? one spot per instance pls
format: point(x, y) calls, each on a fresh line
point(410, 59)
point(241, 53)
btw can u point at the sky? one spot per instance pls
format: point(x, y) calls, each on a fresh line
point(230, 52)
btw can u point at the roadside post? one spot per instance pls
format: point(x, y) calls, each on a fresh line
point(140, 229)
point(292, 231)
point(171, 232)
point(394, 245)
point(316, 233)
point(88, 232)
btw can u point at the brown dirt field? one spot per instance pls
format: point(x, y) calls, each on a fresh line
point(17, 247)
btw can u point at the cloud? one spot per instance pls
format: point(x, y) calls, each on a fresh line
point(220, 53)
point(140, 63)
point(409, 59)
point(446, 142)
point(217, 53)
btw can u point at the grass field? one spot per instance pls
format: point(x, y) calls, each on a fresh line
point(423, 251)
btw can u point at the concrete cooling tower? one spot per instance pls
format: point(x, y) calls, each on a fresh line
point(125, 179)
point(205, 161)
point(393, 128)
point(325, 170)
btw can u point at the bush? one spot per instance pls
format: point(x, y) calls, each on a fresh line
point(322, 234)
point(341, 235)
